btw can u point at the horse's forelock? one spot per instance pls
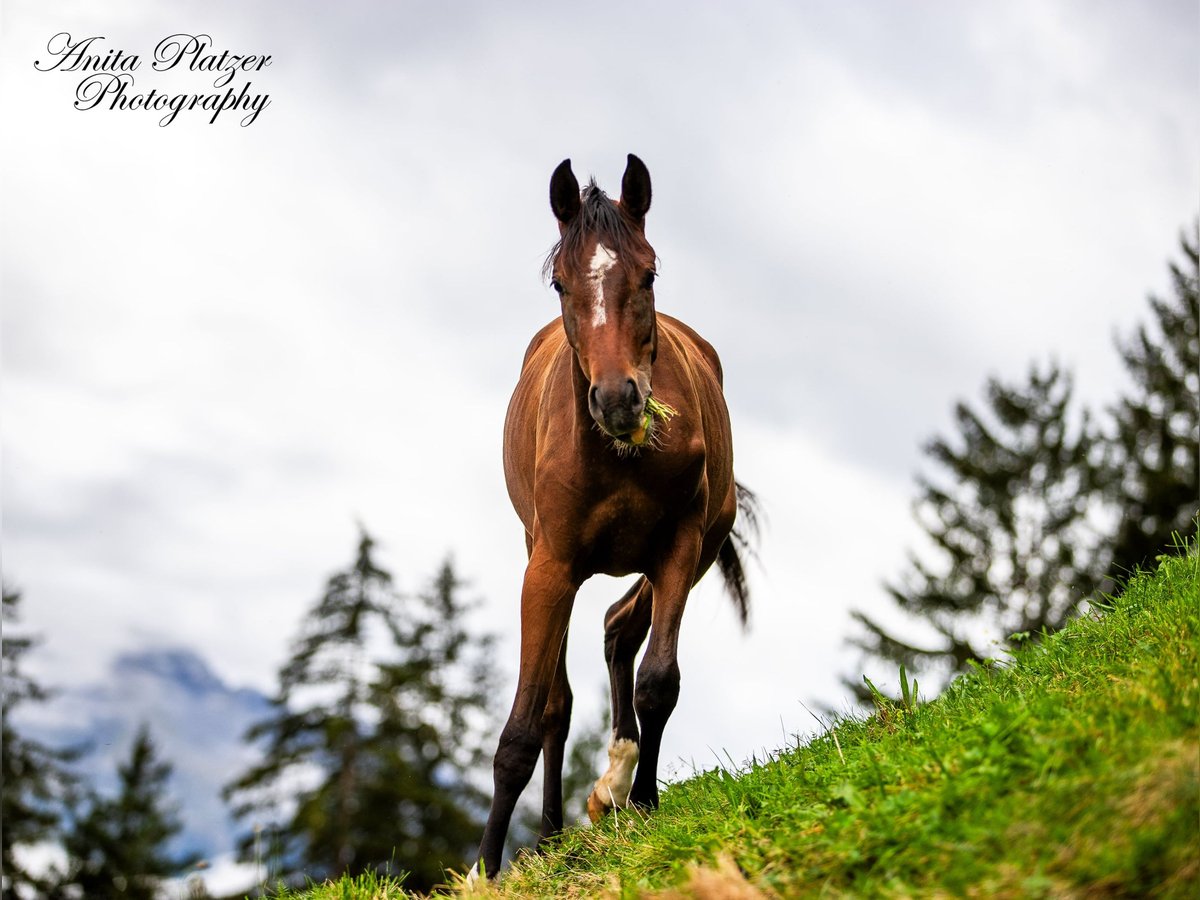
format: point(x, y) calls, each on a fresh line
point(600, 218)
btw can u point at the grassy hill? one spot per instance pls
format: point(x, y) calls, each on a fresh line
point(1073, 770)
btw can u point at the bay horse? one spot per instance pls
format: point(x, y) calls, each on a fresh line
point(607, 480)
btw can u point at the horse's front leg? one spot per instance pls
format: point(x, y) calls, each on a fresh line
point(556, 723)
point(657, 689)
point(546, 599)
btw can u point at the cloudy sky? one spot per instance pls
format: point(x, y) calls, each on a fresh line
point(224, 345)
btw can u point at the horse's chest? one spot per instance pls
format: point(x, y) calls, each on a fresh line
point(617, 527)
point(620, 537)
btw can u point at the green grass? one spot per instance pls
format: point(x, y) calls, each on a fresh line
point(1070, 771)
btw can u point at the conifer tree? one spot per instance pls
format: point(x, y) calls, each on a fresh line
point(118, 847)
point(1015, 551)
point(36, 778)
point(319, 714)
point(1153, 462)
point(1008, 517)
point(433, 724)
point(382, 709)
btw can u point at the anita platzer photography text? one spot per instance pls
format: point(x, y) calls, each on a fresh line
point(108, 80)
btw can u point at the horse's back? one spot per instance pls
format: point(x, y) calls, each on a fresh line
point(690, 338)
point(550, 339)
point(546, 354)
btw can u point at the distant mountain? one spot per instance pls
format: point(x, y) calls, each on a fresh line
point(196, 721)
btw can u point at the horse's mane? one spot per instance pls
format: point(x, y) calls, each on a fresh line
point(598, 216)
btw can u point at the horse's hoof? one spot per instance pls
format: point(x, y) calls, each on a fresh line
point(596, 807)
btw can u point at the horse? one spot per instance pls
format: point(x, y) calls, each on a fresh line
point(618, 458)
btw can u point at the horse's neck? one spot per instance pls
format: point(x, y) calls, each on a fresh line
point(579, 393)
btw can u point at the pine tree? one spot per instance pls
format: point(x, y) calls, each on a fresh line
point(432, 701)
point(117, 848)
point(36, 778)
point(319, 714)
point(382, 707)
point(1156, 446)
point(1008, 516)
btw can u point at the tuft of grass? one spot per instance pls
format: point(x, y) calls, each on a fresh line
point(1072, 770)
point(365, 886)
point(660, 410)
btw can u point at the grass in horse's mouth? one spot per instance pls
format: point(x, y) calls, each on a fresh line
point(647, 435)
point(660, 410)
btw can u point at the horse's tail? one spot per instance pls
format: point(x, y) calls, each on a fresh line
point(741, 541)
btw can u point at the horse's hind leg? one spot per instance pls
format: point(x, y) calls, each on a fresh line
point(625, 627)
point(556, 722)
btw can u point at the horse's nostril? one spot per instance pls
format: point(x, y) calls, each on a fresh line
point(616, 398)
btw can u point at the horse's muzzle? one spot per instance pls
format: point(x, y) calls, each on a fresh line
point(617, 406)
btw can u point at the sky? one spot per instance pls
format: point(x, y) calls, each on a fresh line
point(226, 345)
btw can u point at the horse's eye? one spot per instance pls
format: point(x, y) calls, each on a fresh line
point(647, 281)
point(557, 285)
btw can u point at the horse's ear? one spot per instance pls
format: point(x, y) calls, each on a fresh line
point(564, 193)
point(635, 188)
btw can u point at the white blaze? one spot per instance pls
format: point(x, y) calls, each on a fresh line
point(602, 260)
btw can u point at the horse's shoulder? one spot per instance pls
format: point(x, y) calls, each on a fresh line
point(691, 339)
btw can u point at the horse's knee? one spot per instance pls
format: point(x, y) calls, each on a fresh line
point(657, 690)
point(516, 757)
